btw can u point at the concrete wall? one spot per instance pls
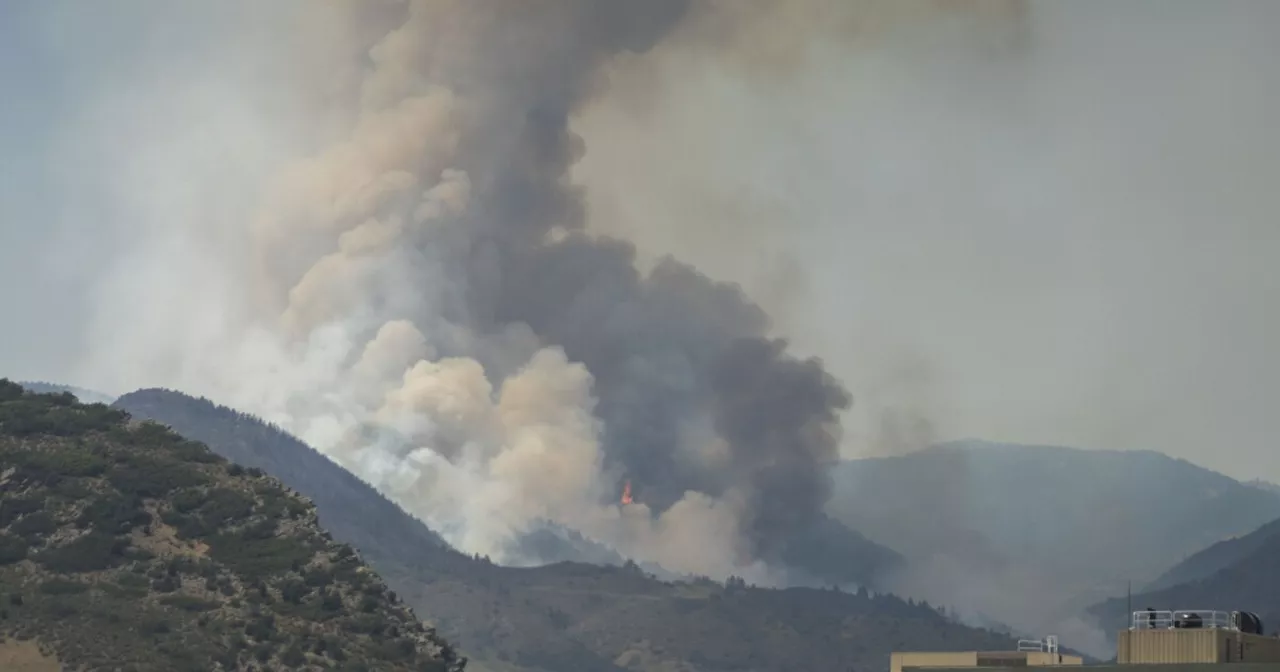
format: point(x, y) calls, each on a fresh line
point(1041, 658)
point(1195, 646)
point(1152, 667)
point(899, 661)
point(978, 659)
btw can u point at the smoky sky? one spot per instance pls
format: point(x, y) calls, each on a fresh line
point(1065, 235)
point(530, 69)
point(1070, 240)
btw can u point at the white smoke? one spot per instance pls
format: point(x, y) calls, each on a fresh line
point(332, 313)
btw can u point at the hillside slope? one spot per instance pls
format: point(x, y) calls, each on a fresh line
point(81, 394)
point(1250, 582)
point(1264, 485)
point(1077, 513)
point(348, 507)
point(1033, 535)
point(571, 617)
point(1217, 557)
point(125, 546)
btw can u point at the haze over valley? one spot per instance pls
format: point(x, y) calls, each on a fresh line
point(587, 324)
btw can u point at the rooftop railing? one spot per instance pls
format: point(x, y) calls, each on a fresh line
point(1047, 645)
point(1182, 619)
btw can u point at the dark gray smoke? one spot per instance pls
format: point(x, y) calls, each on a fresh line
point(670, 348)
point(667, 349)
point(424, 299)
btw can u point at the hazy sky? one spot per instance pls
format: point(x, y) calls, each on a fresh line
point(1070, 239)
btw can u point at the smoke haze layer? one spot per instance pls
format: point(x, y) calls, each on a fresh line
point(443, 203)
point(1045, 226)
point(381, 224)
point(419, 296)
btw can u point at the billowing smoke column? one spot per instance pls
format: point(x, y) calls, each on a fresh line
point(422, 297)
point(490, 362)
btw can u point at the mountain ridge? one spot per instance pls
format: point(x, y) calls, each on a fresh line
point(1215, 558)
point(1248, 583)
point(569, 617)
point(86, 396)
point(1034, 535)
point(1024, 500)
point(126, 546)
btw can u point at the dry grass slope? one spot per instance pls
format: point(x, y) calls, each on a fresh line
point(573, 617)
point(125, 547)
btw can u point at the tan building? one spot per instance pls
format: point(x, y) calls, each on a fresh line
point(1112, 667)
point(1030, 653)
point(1187, 640)
point(1195, 636)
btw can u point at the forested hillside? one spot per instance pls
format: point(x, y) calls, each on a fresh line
point(574, 617)
point(1140, 512)
point(1239, 574)
point(1217, 557)
point(126, 546)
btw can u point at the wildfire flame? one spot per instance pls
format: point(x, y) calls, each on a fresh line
point(626, 494)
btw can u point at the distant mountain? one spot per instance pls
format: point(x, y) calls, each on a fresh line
point(550, 543)
point(1032, 535)
point(829, 552)
point(126, 546)
point(85, 396)
point(1122, 514)
point(1240, 575)
point(1264, 485)
point(824, 553)
point(570, 617)
point(349, 508)
point(1217, 557)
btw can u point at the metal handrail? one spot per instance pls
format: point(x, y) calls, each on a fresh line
point(1204, 619)
point(1048, 644)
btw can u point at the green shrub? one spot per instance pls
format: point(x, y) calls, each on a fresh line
point(186, 501)
point(224, 505)
point(154, 625)
point(318, 576)
point(132, 580)
point(113, 514)
point(12, 549)
point(10, 391)
point(68, 462)
point(331, 602)
point(123, 592)
point(74, 489)
point(262, 629)
point(369, 624)
point(294, 591)
point(12, 508)
point(189, 603)
point(187, 527)
point(293, 656)
point(150, 434)
point(149, 477)
point(192, 451)
point(397, 650)
point(91, 552)
point(252, 556)
point(62, 607)
point(34, 525)
point(63, 587)
point(166, 584)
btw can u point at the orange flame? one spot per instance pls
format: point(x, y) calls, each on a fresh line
point(626, 493)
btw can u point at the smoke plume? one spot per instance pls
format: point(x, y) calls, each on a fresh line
point(385, 225)
point(423, 297)
point(442, 204)
point(436, 315)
